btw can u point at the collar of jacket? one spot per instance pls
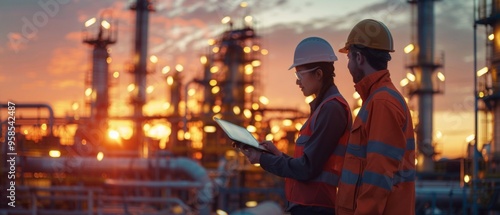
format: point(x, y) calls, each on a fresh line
point(371, 82)
point(332, 90)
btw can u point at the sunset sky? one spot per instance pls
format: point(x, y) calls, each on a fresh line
point(43, 59)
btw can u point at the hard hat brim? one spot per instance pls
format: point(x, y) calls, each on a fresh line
point(344, 50)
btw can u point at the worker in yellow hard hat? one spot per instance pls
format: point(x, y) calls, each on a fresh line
point(378, 176)
point(313, 171)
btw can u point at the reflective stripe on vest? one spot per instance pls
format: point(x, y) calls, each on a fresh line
point(321, 190)
point(381, 148)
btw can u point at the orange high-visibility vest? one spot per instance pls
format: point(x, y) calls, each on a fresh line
point(386, 184)
point(320, 191)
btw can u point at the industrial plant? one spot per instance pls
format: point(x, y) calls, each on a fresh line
point(181, 162)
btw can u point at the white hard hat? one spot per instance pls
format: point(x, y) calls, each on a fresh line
point(312, 50)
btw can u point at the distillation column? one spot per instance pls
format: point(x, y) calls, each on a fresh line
point(495, 67)
point(142, 8)
point(424, 70)
point(100, 76)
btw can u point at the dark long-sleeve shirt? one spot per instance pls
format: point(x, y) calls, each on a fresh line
point(330, 126)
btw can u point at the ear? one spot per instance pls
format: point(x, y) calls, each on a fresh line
point(360, 58)
point(319, 74)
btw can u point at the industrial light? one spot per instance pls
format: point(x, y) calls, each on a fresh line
point(287, 122)
point(212, 82)
point(44, 126)
point(249, 89)
point(150, 89)
point(165, 70)
point(116, 74)
point(225, 20)
point(440, 76)
point(409, 48)
point(255, 47)
point(187, 135)
point(166, 105)
point(251, 128)
point(247, 49)
point(298, 126)
point(356, 111)
point(113, 134)
point(251, 204)
point(215, 89)
point(256, 63)
point(221, 212)
point(209, 129)
point(214, 69)
point(100, 156)
point(481, 94)
point(131, 87)
point(404, 82)
point(90, 22)
point(216, 109)
point(248, 19)
point(439, 134)
point(105, 24)
point(264, 51)
point(470, 138)
point(255, 106)
point(236, 110)
point(275, 129)
point(410, 77)
point(153, 59)
point(247, 113)
point(355, 95)
point(269, 137)
point(179, 67)
point(211, 42)
point(54, 153)
point(309, 99)
point(264, 100)
point(482, 71)
point(88, 91)
point(170, 80)
point(466, 178)
point(491, 37)
point(203, 59)
point(244, 4)
point(258, 117)
point(248, 69)
point(75, 106)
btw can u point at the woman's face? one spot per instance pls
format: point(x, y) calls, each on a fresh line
point(308, 80)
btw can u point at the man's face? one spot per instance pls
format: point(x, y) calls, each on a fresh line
point(353, 65)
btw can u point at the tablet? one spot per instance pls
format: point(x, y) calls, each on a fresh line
point(239, 135)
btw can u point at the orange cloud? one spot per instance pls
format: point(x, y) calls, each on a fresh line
point(69, 60)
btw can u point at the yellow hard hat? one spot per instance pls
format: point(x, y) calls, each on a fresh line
point(313, 50)
point(370, 33)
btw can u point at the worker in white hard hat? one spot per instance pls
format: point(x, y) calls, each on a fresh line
point(378, 176)
point(312, 172)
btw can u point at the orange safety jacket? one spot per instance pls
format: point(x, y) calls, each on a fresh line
point(378, 176)
point(321, 190)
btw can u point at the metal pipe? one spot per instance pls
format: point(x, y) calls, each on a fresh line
point(495, 70)
point(35, 105)
point(89, 164)
point(140, 65)
point(474, 158)
point(425, 25)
